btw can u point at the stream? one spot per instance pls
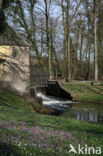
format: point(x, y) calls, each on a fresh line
point(92, 112)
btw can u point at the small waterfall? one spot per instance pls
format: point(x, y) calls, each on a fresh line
point(54, 102)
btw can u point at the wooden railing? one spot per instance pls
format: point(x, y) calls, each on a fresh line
point(39, 79)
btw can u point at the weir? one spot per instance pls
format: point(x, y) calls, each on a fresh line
point(54, 102)
point(51, 95)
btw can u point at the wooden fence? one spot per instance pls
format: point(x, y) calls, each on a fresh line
point(39, 79)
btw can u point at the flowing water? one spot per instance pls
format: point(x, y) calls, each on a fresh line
point(81, 111)
point(55, 103)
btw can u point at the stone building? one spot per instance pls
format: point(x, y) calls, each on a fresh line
point(14, 61)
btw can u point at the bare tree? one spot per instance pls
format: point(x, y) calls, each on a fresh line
point(100, 38)
point(48, 36)
point(69, 42)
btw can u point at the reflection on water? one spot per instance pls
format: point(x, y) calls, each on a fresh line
point(89, 116)
point(86, 112)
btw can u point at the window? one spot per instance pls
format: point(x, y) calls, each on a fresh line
point(14, 54)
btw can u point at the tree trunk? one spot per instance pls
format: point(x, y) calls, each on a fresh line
point(95, 43)
point(88, 54)
point(54, 55)
point(48, 40)
point(65, 39)
point(76, 55)
point(81, 48)
point(68, 41)
point(0, 4)
point(100, 39)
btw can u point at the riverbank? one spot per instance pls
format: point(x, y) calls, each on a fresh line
point(15, 101)
point(84, 91)
point(24, 132)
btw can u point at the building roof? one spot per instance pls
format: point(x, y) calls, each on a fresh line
point(12, 38)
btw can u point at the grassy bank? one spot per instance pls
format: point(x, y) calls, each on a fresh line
point(12, 100)
point(25, 133)
point(85, 91)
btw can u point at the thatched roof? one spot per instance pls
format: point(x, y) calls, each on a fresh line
point(12, 38)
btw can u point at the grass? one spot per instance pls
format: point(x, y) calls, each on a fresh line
point(12, 100)
point(25, 133)
point(85, 91)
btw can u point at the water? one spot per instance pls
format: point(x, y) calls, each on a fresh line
point(55, 103)
point(86, 112)
point(81, 111)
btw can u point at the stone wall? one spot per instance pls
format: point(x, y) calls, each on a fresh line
point(16, 71)
point(55, 89)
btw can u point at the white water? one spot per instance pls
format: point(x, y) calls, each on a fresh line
point(55, 103)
